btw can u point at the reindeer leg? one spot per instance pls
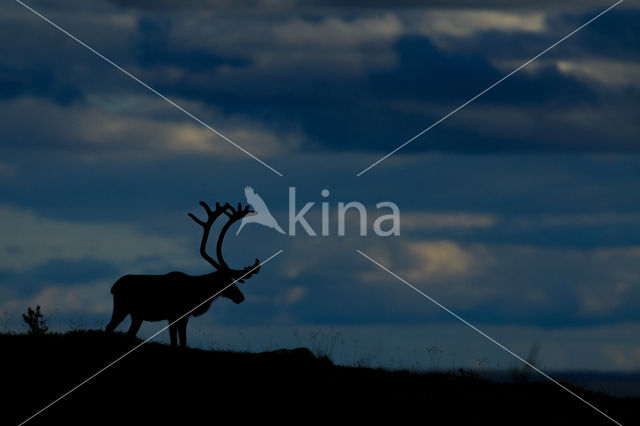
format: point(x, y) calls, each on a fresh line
point(116, 318)
point(182, 330)
point(173, 331)
point(135, 326)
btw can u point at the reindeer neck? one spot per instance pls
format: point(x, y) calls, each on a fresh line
point(216, 275)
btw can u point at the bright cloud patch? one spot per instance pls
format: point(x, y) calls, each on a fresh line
point(611, 73)
point(444, 259)
point(334, 32)
point(465, 23)
point(91, 133)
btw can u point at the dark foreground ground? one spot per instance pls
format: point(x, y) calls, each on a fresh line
point(158, 384)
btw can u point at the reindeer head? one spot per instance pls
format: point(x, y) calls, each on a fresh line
point(234, 215)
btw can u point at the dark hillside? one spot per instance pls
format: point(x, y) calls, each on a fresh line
point(158, 384)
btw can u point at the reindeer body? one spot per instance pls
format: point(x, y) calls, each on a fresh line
point(176, 296)
point(156, 298)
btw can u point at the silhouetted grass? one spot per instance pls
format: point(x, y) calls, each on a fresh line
point(158, 384)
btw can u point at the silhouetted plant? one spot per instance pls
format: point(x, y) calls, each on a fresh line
point(297, 336)
point(5, 320)
point(36, 321)
point(323, 344)
point(482, 362)
point(435, 354)
point(245, 340)
point(522, 374)
point(78, 325)
point(363, 362)
point(468, 373)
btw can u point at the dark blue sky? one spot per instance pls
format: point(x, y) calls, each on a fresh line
point(521, 212)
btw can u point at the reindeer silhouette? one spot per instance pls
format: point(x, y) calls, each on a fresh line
point(171, 296)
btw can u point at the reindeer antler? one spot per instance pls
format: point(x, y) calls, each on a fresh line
point(250, 270)
point(234, 216)
point(212, 215)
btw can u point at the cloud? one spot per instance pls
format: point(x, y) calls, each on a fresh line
point(604, 300)
point(378, 75)
point(454, 268)
point(33, 240)
point(589, 283)
point(295, 294)
point(219, 52)
point(617, 74)
point(297, 5)
point(86, 299)
point(234, 5)
point(339, 33)
point(449, 270)
point(515, 281)
point(536, 128)
point(581, 220)
point(615, 287)
point(91, 133)
point(310, 255)
point(22, 283)
point(332, 47)
point(623, 356)
point(543, 111)
point(613, 74)
point(438, 221)
point(441, 260)
point(55, 66)
point(613, 36)
point(467, 23)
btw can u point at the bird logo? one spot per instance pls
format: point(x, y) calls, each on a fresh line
point(261, 213)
